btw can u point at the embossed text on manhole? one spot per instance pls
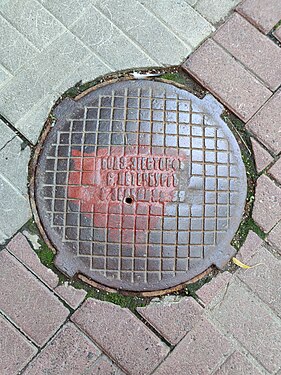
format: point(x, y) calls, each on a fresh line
point(139, 185)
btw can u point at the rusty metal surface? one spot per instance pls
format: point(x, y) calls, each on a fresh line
point(140, 185)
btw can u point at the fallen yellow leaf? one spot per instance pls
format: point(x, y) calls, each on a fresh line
point(242, 265)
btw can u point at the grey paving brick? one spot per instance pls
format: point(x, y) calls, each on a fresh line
point(6, 134)
point(215, 11)
point(118, 51)
point(143, 27)
point(253, 49)
point(267, 205)
point(15, 50)
point(15, 350)
point(274, 237)
point(263, 17)
point(172, 318)
point(217, 285)
point(184, 21)
point(250, 322)
point(14, 159)
point(199, 352)
point(70, 352)
point(71, 295)
point(275, 171)
point(4, 75)
point(264, 280)
point(66, 11)
point(232, 84)
point(250, 247)
point(261, 155)
point(134, 347)
point(42, 76)
point(33, 21)
point(27, 302)
point(265, 124)
point(237, 364)
point(21, 249)
point(14, 208)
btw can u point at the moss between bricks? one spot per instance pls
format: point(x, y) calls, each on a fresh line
point(47, 256)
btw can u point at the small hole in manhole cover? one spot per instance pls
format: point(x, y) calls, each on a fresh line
point(139, 185)
point(129, 200)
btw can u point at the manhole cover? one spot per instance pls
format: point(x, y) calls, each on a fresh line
point(140, 185)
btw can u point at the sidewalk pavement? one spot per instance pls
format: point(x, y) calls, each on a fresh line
point(232, 325)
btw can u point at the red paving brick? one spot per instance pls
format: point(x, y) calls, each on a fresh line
point(27, 302)
point(103, 366)
point(227, 79)
point(72, 296)
point(264, 280)
point(253, 49)
point(245, 317)
point(210, 290)
point(261, 155)
point(172, 319)
point(121, 336)
point(21, 249)
point(267, 205)
point(199, 352)
point(15, 350)
point(237, 364)
point(263, 14)
point(249, 247)
point(265, 125)
point(70, 352)
point(275, 170)
point(274, 237)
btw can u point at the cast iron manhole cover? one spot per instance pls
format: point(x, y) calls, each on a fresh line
point(140, 185)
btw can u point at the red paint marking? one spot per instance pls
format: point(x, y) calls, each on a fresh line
point(100, 182)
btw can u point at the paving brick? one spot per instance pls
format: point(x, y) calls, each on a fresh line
point(264, 280)
point(253, 49)
point(70, 352)
point(251, 245)
point(15, 50)
point(33, 21)
point(6, 134)
point(184, 21)
point(275, 171)
point(103, 366)
point(15, 350)
point(14, 208)
point(4, 75)
point(264, 17)
point(237, 364)
point(232, 85)
point(71, 295)
point(172, 318)
point(262, 157)
point(267, 205)
point(27, 302)
point(249, 321)
point(21, 249)
point(42, 76)
point(277, 34)
point(14, 159)
point(274, 237)
point(210, 290)
point(215, 11)
point(141, 28)
point(135, 348)
point(65, 11)
point(199, 352)
point(265, 125)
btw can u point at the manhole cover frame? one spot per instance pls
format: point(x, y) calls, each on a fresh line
point(33, 168)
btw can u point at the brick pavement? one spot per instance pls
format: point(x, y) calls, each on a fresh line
point(233, 325)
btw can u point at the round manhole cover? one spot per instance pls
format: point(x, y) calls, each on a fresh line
point(139, 185)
